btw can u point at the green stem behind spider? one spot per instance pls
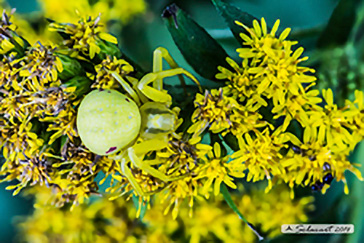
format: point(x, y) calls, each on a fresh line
point(233, 206)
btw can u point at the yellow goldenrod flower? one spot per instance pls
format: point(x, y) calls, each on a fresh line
point(355, 117)
point(183, 157)
point(260, 155)
point(330, 122)
point(213, 112)
point(65, 10)
point(39, 67)
point(218, 170)
point(84, 37)
point(104, 79)
point(270, 71)
point(314, 160)
point(243, 82)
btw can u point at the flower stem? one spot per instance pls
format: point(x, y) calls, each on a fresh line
point(233, 206)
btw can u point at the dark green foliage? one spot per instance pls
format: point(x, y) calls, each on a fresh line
point(199, 49)
point(71, 67)
point(230, 13)
point(340, 24)
point(81, 83)
point(231, 140)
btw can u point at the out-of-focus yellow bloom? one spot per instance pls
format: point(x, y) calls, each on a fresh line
point(270, 210)
point(355, 117)
point(215, 221)
point(65, 10)
point(122, 11)
point(101, 221)
point(113, 221)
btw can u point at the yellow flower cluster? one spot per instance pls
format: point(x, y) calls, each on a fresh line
point(254, 114)
point(266, 102)
point(65, 11)
point(123, 10)
point(102, 221)
point(41, 89)
point(84, 37)
point(38, 135)
point(104, 79)
point(113, 221)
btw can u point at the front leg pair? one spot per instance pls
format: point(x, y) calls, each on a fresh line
point(155, 91)
point(134, 155)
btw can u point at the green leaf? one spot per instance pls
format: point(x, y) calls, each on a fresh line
point(356, 202)
point(71, 67)
point(82, 84)
point(230, 202)
point(231, 13)
point(341, 22)
point(231, 141)
point(140, 207)
point(199, 49)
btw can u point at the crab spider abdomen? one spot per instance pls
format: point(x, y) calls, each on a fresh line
point(107, 121)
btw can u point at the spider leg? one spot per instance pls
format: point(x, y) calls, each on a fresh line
point(158, 55)
point(149, 169)
point(127, 173)
point(159, 95)
point(146, 167)
point(126, 87)
point(150, 145)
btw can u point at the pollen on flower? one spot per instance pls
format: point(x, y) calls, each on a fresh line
point(84, 37)
point(213, 112)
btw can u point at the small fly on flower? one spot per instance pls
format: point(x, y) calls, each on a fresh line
point(327, 179)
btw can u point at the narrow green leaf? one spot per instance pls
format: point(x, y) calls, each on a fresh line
point(199, 49)
point(231, 13)
point(340, 24)
point(140, 207)
point(231, 140)
point(356, 203)
point(232, 205)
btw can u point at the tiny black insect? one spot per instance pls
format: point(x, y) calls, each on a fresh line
point(328, 178)
point(318, 186)
point(296, 149)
